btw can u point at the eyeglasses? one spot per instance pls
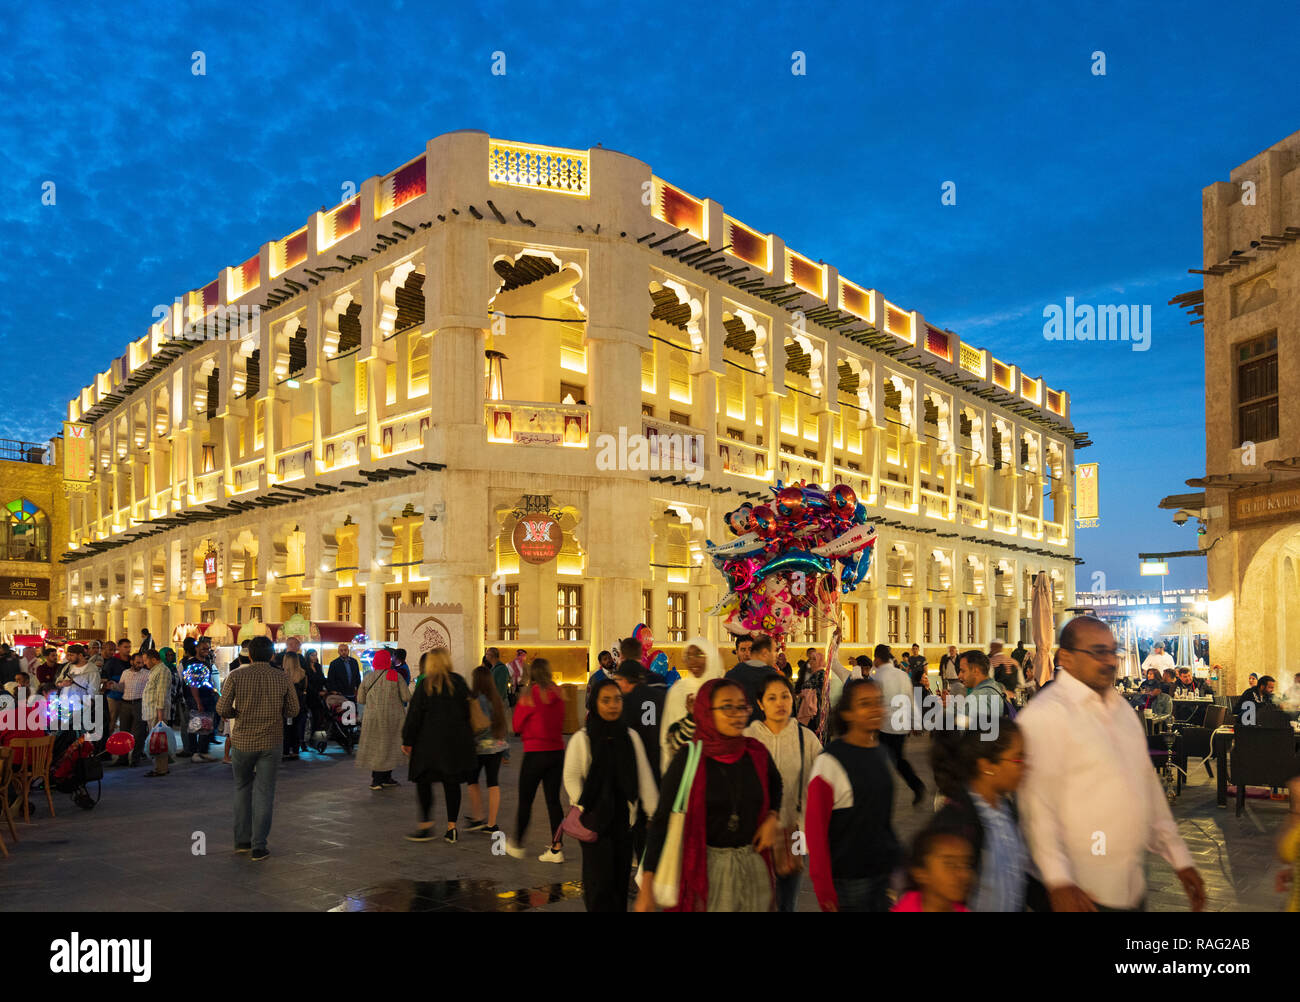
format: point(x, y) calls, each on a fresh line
point(1097, 653)
point(733, 709)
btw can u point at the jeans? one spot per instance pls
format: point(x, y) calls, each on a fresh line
point(863, 894)
point(254, 794)
point(546, 768)
point(787, 892)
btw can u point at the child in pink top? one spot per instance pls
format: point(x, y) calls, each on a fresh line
point(940, 872)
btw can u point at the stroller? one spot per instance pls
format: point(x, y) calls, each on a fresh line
point(328, 724)
point(76, 767)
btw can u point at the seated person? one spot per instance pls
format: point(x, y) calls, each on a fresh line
point(1167, 682)
point(1152, 682)
point(1187, 685)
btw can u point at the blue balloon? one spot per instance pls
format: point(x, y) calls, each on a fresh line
point(796, 560)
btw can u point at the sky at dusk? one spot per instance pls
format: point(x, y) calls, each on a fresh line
point(1067, 183)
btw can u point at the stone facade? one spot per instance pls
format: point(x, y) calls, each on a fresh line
point(357, 449)
point(1252, 499)
point(41, 484)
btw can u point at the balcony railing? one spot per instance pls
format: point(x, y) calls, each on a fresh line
point(16, 451)
point(934, 504)
point(1003, 521)
point(293, 463)
point(968, 512)
point(521, 422)
point(548, 168)
point(673, 446)
point(792, 469)
point(209, 487)
point(742, 459)
point(1031, 527)
point(895, 495)
point(345, 449)
point(247, 476)
point(860, 483)
point(402, 434)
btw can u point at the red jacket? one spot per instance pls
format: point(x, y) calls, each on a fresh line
point(540, 724)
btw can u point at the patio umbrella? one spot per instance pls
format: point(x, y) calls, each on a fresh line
point(1043, 627)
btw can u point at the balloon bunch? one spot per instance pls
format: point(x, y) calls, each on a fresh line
point(785, 556)
point(651, 659)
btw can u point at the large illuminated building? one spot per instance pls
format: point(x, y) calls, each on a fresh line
point(1247, 503)
point(498, 333)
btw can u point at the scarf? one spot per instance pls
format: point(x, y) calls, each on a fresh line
point(694, 895)
point(611, 782)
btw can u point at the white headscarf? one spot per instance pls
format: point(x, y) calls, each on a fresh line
point(678, 702)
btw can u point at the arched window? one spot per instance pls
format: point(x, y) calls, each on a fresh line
point(25, 533)
point(418, 367)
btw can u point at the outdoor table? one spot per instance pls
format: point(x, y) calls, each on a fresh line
point(1220, 741)
point(1190, 710)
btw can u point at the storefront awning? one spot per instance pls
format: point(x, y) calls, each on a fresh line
point(326, 632)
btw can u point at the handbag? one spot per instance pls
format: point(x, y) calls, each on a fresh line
point(572, 825)
point(200, 722)
point(158, 741)
point(478, 720)
point(668, 875)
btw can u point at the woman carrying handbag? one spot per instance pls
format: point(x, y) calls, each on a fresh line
point(607, 777)
point(721, 800)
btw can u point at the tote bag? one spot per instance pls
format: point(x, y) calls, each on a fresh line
point(668, 875)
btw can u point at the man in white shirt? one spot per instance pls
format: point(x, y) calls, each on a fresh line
point(1090, 803)
point(1158, 660)
point(900, 711)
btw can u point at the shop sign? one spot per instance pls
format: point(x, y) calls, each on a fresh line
point(537, 538)
point(17, 588)
point(1263, 505)
point(210, 568)
point(76, 452)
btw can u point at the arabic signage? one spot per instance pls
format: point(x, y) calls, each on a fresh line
point(34, 589)
point(537, 536)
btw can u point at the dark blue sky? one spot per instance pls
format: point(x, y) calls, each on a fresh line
point(1068, 184)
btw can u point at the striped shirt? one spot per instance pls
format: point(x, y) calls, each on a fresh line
point(1003, 861)
point(260, 697)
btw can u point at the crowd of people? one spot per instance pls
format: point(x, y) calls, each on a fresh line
point(714, 788)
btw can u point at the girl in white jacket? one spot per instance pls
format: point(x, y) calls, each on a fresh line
point(702, 664)
point(607, 777)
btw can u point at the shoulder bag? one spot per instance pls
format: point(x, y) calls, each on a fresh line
point(668, 875)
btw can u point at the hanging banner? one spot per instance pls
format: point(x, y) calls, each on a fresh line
point(76, 452)
point(1087, 497)
point(210, 568)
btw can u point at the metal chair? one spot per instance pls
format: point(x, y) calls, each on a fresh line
point(1261, 756)
point(37, 758)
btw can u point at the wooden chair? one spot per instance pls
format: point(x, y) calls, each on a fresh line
point(38, 755)
point(6, 778)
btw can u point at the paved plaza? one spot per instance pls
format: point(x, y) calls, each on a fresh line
point(337, 845)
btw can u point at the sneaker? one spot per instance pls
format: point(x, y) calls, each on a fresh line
point(421, 835)
point(259, 854)
point(387, 784)
point(490, 830)
point(243, 847)
point(376, 786)
point(515, 851)
point(551, 856)
point(476, 826)
point(450, 837)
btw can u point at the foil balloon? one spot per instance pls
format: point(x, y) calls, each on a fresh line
point(764, 521)
point(789, 502)
point(843, 501)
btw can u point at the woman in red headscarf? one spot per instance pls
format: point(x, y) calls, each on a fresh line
point(732, 812)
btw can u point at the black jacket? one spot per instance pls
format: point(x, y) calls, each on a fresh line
point(344, 676)
point(438, 733)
